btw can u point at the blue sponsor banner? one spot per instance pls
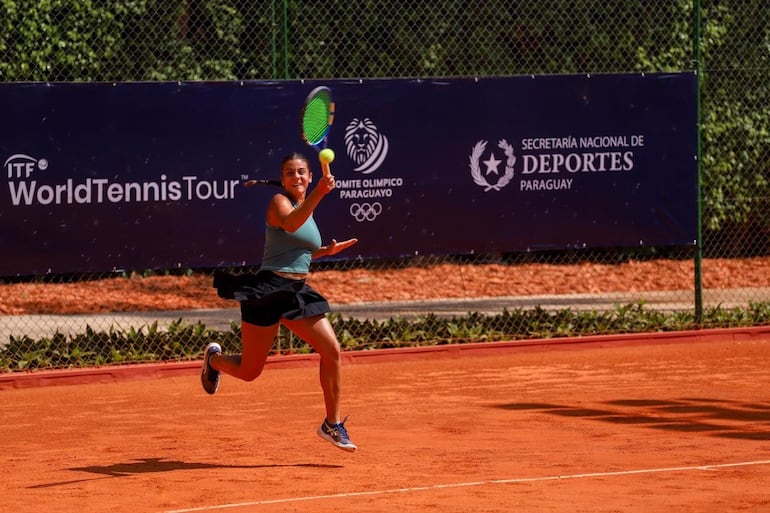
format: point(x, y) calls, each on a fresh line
point(99, 177)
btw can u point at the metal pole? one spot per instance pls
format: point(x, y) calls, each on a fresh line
point(699, 165)
point(285, 40)
point(273, 28)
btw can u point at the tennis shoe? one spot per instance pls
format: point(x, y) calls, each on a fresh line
point(337, 435)
point(209, 375)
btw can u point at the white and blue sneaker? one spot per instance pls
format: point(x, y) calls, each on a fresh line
point(209, 375)
point(337, 435)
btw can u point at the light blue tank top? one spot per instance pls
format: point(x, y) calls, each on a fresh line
point(290, 252)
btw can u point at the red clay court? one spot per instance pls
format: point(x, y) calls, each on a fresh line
point(677, 422)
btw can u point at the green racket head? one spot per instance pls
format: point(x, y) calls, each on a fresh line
point(317, 115)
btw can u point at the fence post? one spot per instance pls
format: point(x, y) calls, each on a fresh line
point(698, 274)
point(285, 30)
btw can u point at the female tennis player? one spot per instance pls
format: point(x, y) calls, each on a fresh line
point(278, 293)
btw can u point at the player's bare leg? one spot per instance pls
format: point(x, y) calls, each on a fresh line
point(319, 333)
point(256, 342)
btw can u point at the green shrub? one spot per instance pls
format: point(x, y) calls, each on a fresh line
point(184, 341)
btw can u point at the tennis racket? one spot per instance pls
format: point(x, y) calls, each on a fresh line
point(252, 183)
point(316, 120)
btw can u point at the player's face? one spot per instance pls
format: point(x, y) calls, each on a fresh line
point(295, 177)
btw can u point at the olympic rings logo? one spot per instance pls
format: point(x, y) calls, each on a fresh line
point(365, 211)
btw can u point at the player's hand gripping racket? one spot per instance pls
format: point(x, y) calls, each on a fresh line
point(316, 120)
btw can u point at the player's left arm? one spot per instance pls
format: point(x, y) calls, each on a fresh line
point(333, 248)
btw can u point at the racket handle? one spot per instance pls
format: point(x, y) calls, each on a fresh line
point(325, 168)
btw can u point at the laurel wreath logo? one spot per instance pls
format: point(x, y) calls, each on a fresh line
point(478, 178)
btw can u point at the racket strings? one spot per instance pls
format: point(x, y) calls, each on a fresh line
point(316, 119)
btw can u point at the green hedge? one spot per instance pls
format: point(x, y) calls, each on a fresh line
point(183, 341)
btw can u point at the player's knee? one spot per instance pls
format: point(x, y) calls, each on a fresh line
point(251, 374)
point(332, 353)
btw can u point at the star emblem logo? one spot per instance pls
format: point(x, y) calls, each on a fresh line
point(492, 164)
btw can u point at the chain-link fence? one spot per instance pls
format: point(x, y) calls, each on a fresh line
point(726, 42)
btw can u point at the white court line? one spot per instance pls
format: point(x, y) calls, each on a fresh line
point(471, 483)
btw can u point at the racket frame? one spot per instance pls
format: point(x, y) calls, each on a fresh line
point(320, 142)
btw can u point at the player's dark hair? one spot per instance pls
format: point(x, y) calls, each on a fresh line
point(294, 156)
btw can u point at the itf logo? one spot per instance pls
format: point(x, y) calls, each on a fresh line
point(22, 166)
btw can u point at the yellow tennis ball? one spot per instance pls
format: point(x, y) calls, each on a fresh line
point(326, 155)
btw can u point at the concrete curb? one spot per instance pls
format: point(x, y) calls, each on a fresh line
point(111, 374)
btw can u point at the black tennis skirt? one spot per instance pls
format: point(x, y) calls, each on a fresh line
point(266, 297)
